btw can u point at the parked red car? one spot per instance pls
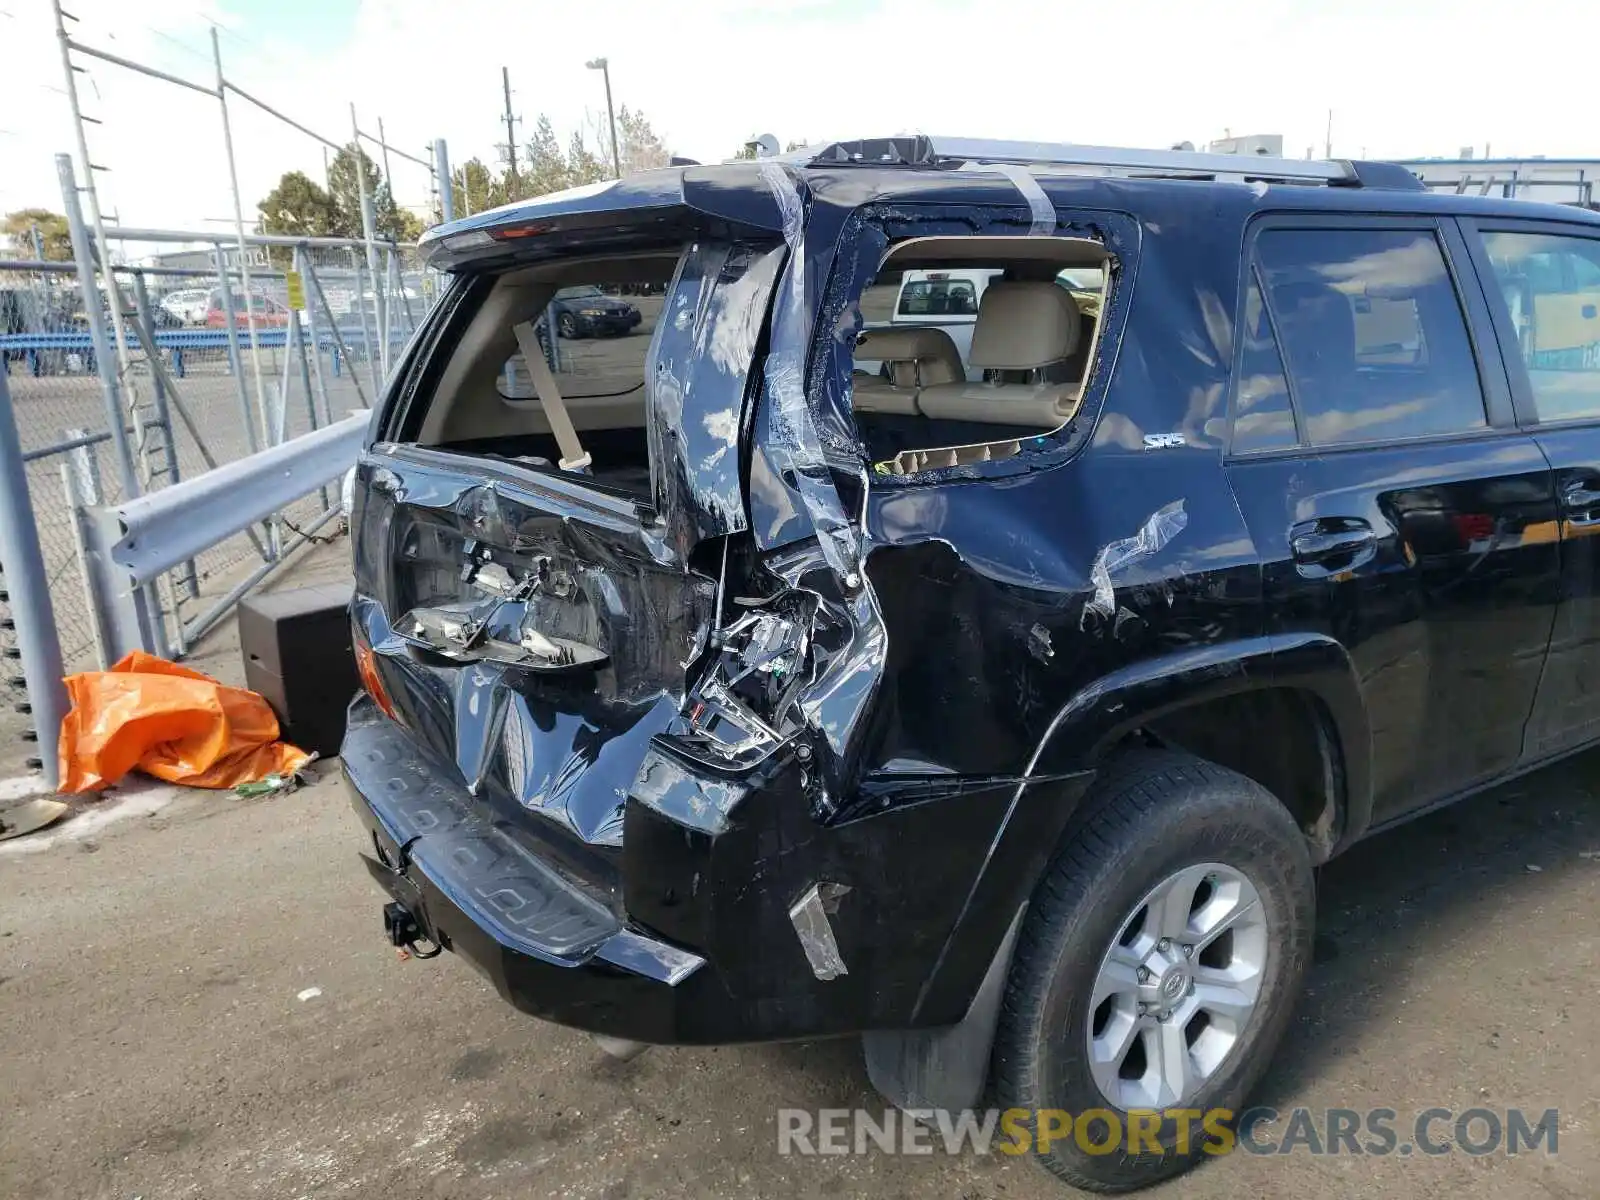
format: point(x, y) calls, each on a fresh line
point(268, 312)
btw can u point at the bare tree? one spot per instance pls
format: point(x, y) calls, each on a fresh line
point(642, 148)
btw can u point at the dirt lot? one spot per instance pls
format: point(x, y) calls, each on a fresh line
point(153, 1041)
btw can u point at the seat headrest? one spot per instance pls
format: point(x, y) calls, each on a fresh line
point(1023, 325)
point(1317, 320)
point(915, 353)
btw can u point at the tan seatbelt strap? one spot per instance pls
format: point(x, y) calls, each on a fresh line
point(573, 456)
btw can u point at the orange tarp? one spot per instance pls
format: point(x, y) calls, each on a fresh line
point(170, 722)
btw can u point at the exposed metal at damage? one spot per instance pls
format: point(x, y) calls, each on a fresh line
point(810, 917)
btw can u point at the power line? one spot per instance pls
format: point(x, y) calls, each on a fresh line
point(184, 46)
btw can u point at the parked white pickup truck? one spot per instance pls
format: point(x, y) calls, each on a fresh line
point(946, 299)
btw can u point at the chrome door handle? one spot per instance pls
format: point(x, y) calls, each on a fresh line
point(1319, 546)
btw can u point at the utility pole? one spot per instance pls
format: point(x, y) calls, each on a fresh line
point(603, 65)
point(511, 130)
point(443, 184)
point(1327, 147)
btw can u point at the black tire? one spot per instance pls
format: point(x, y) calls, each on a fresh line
point(1151, 814)
point(567, 326)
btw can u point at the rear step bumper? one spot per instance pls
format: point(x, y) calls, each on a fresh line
point(710, 933)
point(549, 948)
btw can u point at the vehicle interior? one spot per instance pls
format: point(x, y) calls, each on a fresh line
point(916, 404)
point(509, 390)
point(494, 395)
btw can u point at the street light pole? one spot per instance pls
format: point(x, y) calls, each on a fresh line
point(604, 67)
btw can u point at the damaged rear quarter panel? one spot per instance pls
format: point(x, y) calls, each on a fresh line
point(985, 574)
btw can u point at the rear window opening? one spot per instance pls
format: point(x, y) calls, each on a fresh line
point(973, 346)
point(587, 327)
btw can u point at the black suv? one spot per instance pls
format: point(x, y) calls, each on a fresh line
point(996, 706)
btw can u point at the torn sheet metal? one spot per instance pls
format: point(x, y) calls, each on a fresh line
point(1163, 525)
point(1039, 644)
point(793, 449)
point(695, 385)
point(849, 677)
point(810, 917)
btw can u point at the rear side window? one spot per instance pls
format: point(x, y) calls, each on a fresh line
point(1551, 288)
point(1372, 334)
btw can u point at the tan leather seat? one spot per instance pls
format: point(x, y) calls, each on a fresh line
point(1023, 328)
point(917, 357)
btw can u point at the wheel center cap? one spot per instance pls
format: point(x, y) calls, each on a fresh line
point(1174, 983)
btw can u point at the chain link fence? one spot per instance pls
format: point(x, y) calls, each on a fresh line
point(62, 423)
point(193, 403)
point(211, 346)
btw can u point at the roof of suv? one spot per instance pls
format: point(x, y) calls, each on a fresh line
point(952, 171)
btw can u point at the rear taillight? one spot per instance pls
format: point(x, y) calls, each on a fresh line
point(471, 602)
point(367, 670)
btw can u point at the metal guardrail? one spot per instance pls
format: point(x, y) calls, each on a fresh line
point(132, 544)
point(165, 528)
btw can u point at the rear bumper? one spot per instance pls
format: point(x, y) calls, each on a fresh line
point(694, 944)
point(549, 946)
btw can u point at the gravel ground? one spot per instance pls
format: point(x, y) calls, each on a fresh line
point(159, 1034)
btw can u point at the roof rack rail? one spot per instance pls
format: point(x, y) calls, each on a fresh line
point(921, 150)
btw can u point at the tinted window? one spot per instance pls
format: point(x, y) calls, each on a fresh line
point(1551, 288)
point(1262, 419)
point(1371, 332)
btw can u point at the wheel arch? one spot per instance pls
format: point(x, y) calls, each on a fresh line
point(1308, 739)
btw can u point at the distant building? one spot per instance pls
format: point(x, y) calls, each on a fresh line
point(1270, 144)
point(1551, 180)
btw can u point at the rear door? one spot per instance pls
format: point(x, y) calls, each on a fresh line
point(1543, 281)
point(1396, 507)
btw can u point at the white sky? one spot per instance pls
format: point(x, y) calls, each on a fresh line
point(1404, 78)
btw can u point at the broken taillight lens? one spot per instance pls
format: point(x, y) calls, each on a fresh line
point(471, 602)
